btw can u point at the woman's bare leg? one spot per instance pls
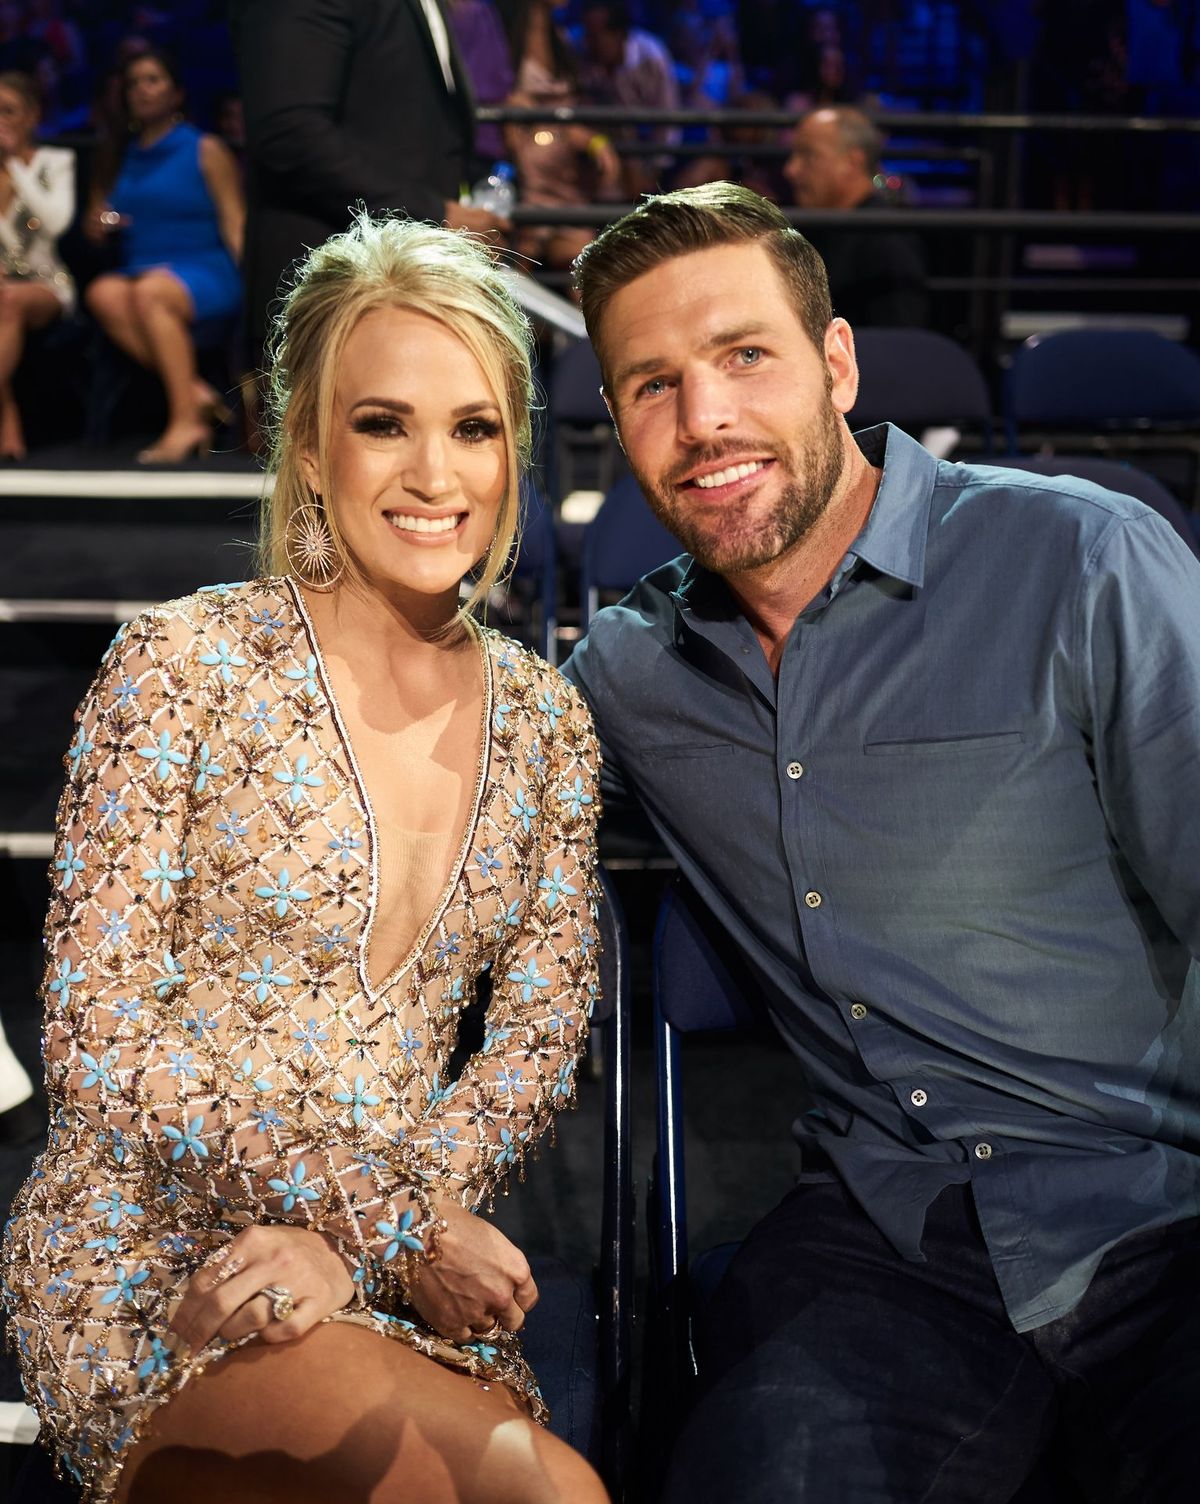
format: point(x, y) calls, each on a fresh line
point(23, 306)
point(109, 300)
point(345, 1413)
point(163, 307)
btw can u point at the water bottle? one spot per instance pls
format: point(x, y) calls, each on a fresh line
point(498, 191)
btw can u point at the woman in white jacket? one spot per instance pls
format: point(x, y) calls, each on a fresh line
point(37, 203)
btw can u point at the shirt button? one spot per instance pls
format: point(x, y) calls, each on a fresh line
point(795, 769)
point(858, 1010)
point(983, 1151)
point(813, 899)
point(918, 1098)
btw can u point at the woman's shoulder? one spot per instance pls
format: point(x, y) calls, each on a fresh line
point(230, 612)
point(518, 666)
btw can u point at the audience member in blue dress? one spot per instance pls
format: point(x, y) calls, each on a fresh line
point(176, 200)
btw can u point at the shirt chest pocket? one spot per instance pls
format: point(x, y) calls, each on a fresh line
point(946, 746)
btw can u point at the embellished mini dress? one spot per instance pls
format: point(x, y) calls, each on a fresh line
point(216, 1053)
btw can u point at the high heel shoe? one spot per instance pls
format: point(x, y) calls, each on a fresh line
point(163, 452)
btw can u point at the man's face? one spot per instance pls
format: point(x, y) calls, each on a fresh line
point(822, 173)
point(605, 43)
point(728, 414)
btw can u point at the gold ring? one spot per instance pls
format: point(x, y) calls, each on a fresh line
point(282, 1304)
point(492, 1331)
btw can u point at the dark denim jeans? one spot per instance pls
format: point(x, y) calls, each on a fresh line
point(835, 1372)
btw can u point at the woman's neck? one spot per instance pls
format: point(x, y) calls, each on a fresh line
point(359, 623)
point(152, 133)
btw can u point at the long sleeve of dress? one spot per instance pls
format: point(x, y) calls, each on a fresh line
point(545, 974)
point(136, 1047)
point(47, 189)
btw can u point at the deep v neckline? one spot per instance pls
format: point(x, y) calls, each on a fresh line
point(375, 992)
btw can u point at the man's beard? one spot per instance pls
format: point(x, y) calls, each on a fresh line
point(737, 537)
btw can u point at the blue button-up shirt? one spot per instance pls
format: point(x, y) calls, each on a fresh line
point(958, 841)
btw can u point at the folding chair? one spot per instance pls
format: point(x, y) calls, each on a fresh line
point(623, 541)
point(1115, 476)
point(580, 424)
point(919, 379)
point(1112, 389)
point(533, 580)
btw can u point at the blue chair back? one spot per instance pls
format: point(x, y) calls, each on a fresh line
point(536, 565)
point(623, 541)
point(579, 422)
point(1114, 378)
point(917, 378)
point(1115, 476)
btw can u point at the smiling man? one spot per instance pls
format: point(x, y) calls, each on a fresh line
point(924, 737)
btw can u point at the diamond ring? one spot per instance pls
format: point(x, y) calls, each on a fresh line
point(282, 1304)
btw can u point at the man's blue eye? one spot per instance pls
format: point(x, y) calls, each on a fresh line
point(750, 355)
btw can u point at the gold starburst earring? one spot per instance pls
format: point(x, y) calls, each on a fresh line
point(311, 552)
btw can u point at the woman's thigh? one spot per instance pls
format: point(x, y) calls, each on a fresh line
point(32, 302)
point(349, 1414)
point(110, 297)
point(161, 286)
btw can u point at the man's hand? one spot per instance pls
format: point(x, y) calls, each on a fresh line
point(478, 1279)
point(225, 1299)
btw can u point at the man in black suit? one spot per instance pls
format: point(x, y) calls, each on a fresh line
point(346, 100)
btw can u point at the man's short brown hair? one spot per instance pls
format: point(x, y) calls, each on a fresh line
point(696, 219)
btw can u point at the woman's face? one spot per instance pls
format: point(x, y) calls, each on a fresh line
point(417, 455)
point(151, 95)
point(17, 118)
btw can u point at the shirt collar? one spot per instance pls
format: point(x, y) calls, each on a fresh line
point(892, 539)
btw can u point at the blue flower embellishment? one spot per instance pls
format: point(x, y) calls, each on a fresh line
point(508, 1151)
point(163, 755)
point(98, 1071)
point(187, 1138)
point(111, 807)
point(445, 1139)
point(126, 692)
point(360, 1097)
point(260, 718)
point(330, 942)
point(299, 779)
point(294, 1189)
point(266, 1117)
point(438, 1095)
point(400, 1236)
point(115, 1206)
point(282, 893)
point(488, 862)
point(308, 673)
point(158, 1360)
point(548, 707)
point(206, 768)
point(535, 758)
point(408, 1044)
point(264, 979)
point(231, 828)
point(68, 864)
point(79, 749)
point(266, 621)
point(575, 796)
point(65, 978)
point(562, 1082)
point(128, 1009)
point(345, 844)
point(312, 1034)
point(495, 1036)
point(221, 929)
point(510, 1081)
point(522, 810)
point(447, 947)
point(224, 659)
point(164, 874)
point(114, 929)
point(530, 979)
point(499, 715)
point(487, 1353)
point(60, 1284)
point(181, 1064)
point(173, 975)
point(125, 1285)
point(555, 887)
point(93, 1357)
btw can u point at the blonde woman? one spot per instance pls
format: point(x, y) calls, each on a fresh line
point(303, 815)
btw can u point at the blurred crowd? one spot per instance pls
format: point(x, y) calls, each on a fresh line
point(123, 175)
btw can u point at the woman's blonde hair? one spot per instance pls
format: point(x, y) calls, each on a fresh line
point(389, 263)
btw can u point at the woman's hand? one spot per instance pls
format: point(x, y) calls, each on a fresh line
point(224, 1298)
point(479, 1279)
point(100, 221)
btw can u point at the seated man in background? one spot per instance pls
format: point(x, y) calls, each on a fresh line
point(925, 739)
point(876, 277)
